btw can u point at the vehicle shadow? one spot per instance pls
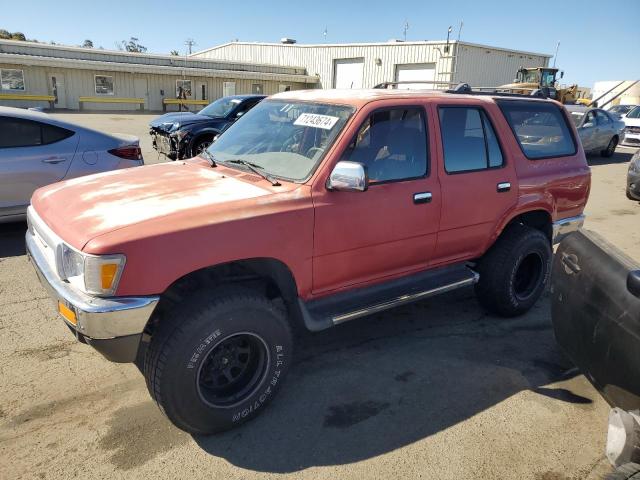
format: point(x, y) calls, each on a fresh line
point(621, 155)
point(12, 239)
point(375, 385)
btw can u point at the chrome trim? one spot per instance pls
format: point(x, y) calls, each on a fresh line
point(348, 177)
point(504, 186)
point(563, 227)
point(98, 318)
point(406, 299)
point(417, 197)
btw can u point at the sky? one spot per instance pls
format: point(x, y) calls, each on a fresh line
point(599, 40)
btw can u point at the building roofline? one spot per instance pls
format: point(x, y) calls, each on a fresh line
point(371, 44)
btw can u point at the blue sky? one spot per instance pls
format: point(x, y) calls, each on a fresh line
point(598, 40)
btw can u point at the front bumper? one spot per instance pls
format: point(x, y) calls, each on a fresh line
point(631, 139)
point(566, 226)
point(113, 325)
point(167, 144)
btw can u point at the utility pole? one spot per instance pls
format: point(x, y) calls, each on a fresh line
point(406, 27)
point(189, 42)
point(460, 29)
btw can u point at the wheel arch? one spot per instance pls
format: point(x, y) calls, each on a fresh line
point(270, 276)
point(536, 217)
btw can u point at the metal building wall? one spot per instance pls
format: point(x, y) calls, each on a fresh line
point(475, 64)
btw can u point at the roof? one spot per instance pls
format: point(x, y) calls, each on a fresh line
point(372, 44)
point(361, 97)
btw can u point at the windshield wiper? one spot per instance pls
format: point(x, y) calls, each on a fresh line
point(255, 168)
point(205, 153)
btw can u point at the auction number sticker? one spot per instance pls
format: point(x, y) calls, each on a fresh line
point(316, 120)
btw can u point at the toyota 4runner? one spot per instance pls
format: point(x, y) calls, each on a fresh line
point(315, 208)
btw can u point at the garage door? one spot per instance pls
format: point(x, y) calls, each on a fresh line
point(348, 73)
point(415, 72)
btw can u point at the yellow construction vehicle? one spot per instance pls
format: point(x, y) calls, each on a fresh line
point(541, 78)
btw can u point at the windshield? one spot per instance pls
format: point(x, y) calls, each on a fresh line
point(530, 76)
point(283, 139)
point(635, 113)
point(548, 79)
point(221, 107)
point(577, 118)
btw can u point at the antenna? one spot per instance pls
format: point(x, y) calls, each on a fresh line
point(556, 55)
point(406, 27)
point(460, 30)
point(446, 47)
point(189, 42)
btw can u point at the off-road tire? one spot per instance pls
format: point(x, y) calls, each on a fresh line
point(191, 334)
point(628, 471)
point(501, 274)
point(611, 148)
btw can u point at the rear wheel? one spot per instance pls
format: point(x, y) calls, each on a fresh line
point(214, 364)
point(611, 148)
point(514, 272)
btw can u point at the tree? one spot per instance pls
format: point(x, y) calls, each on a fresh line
point(133, 46)
point(5, 34)
point(174, 53)
point(87, 44)
point(18, 36)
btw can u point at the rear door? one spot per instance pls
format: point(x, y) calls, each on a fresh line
point(589, 132)
point(32, 154)
point(596, 315)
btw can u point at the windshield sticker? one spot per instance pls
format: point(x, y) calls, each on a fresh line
point(316, 120)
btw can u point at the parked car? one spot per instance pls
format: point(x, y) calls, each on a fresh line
point(316, 208)
point(599, 131)
point(36, 150)
point(596, 320)
point(633, 177)
point(181, 135)
point(621, 110)
point(632, 128)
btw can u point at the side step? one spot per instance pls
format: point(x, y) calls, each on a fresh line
point(342, 307)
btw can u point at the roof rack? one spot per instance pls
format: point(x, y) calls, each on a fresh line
point(464, 88)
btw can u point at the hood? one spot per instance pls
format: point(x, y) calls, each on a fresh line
point(164, 122)
point(81, 209)
point(631, 122)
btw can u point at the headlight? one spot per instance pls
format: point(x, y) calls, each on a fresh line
point(93, 274)
point(175, 126)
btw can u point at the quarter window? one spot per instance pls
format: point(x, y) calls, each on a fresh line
point(104, 84)
point(392, 144)
point(18, 132)
point(468, 139)
point(540, 127)
point(12, 79)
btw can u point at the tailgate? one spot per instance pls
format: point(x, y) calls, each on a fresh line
point(596, 317)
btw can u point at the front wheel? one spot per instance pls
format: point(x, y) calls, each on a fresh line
point(514, 272)
point(200, 145)
point(611, 148)
point(214, 364)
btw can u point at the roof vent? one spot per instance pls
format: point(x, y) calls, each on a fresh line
point(288, 41)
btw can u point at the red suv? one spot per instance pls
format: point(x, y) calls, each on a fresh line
point(315, 208)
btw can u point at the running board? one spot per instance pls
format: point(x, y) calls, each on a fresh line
point(342, 307)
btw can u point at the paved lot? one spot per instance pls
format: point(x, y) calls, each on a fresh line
point(437, 389)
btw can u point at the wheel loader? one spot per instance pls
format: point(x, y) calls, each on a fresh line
point(541, 78)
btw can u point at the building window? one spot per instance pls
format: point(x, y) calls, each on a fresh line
point(284, 88)
point(104, 85)
point(12, 79)
point(183, 88)
point(228, 88)
point(257, 89)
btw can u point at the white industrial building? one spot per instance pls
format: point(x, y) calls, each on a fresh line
point(60, 77)
point(364, 65)
point(616, 92)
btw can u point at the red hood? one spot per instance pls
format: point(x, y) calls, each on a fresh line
point(81, 209)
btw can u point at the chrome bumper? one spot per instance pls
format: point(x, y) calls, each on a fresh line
point(565, 226)
point(97, 318)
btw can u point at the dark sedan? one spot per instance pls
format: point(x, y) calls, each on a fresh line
point(181, 135)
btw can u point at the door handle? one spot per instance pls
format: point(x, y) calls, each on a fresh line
point(422, 197)
point(503, 187)
point(54, 160)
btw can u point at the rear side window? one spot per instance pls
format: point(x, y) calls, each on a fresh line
point(18, 132)
point(541, 129)
point(468, 139)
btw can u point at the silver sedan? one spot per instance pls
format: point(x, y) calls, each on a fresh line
point(36, 150)
point(599, 131)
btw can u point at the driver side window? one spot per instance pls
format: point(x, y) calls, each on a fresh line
point(392, 144)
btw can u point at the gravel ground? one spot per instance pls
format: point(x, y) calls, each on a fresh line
point(437, 389)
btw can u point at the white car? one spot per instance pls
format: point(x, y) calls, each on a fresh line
point(36, 150)
point(631, 134)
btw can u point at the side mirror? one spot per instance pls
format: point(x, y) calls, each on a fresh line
point(348, 177)
point(562, 74)
point(633, 283)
